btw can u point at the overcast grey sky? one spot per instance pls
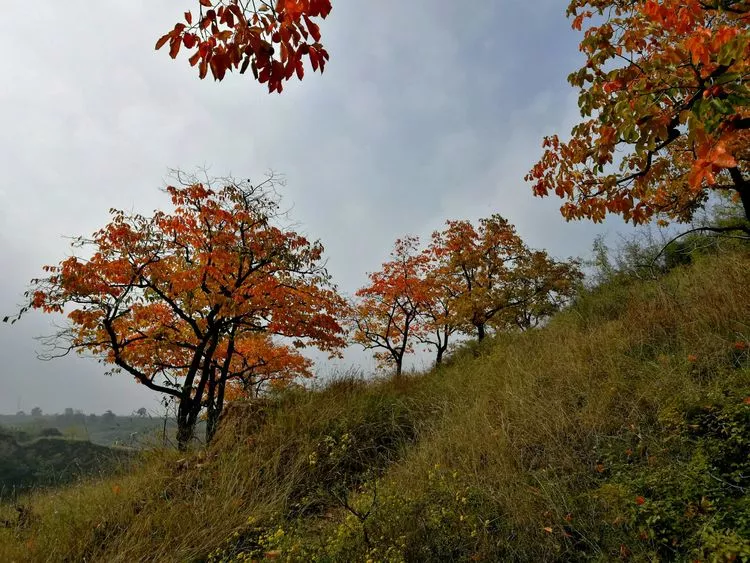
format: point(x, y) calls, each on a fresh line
point(427, 111)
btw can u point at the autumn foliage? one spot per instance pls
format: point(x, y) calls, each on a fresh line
point(189, 302)
point(469, 280)
point(271, 38)
point(664, 97)
point(387, 309)
point(494, 280)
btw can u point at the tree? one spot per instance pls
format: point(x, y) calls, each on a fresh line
point(437, 321)
point(492, 279)
point(270, 38)
point(664, 97)
point(480, 264)
point(386, 310)
point(142, 412)
point(543, 287)
point(171, 298)
point(36, 411)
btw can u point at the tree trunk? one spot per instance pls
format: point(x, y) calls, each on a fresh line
point(211, 414)
point(217, 387)
point(399, 362)
point(480, 332)
point(212, 421)
point(439, 358)
point(745, 198)
point(185, 424)
point(214, 408)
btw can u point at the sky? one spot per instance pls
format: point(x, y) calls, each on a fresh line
point(427, 111)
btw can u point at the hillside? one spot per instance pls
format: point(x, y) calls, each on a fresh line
point(619, 431)
point(51, 461)
point(130, 431)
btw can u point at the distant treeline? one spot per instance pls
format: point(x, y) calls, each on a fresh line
point(106, 429)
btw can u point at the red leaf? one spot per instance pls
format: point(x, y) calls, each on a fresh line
point(206, 3)
point(162, 41)
point(312, 28)
point(174, 46)
point(189, 18)
point(314, 59)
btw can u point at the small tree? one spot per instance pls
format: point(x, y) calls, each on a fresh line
point(542, 288)
point(437, 320)
point(36, 411)
point(386, 310)
point(490, 278)
point(481, 266)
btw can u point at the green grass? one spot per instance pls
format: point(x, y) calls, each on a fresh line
point(620, 430)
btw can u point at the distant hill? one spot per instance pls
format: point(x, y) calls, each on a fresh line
point(104, 430)
point(51, 461)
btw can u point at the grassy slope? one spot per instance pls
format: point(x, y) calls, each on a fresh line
point(620, 430)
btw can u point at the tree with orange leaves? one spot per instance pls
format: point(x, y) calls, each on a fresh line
point(271, 38)
point(386, 311)
point(480, 264)
point(183, 301)
point(664, 97)
point(437, 320)
point(542, 287)
point(493, 279)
